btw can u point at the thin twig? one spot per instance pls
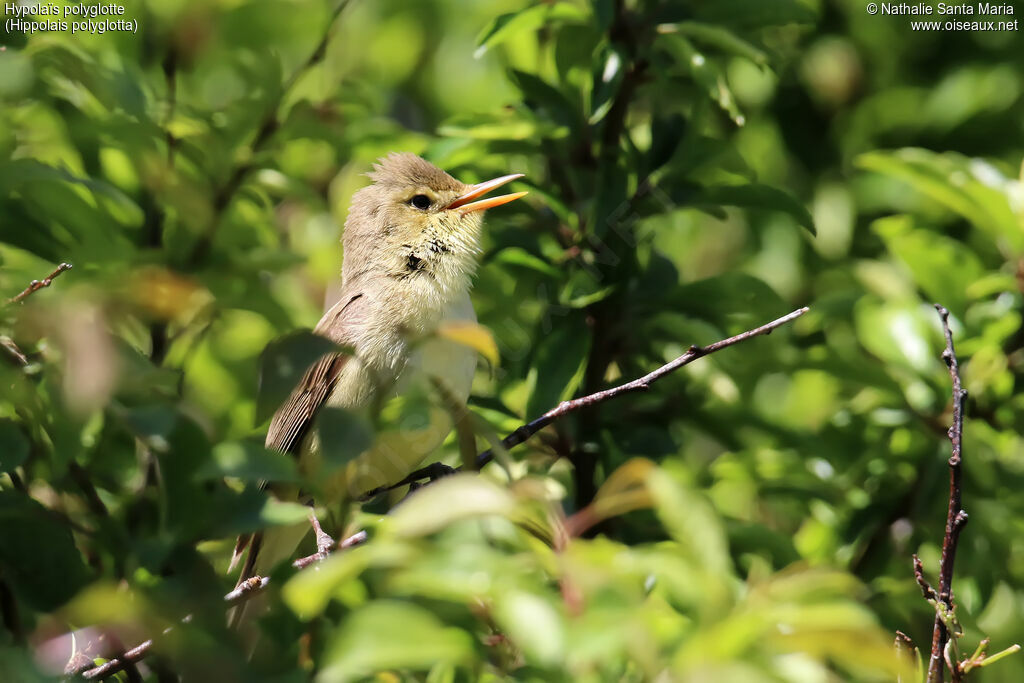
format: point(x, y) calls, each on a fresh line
point(36, 285)
point(926, 588)
point(242, 593)
point(120, 663)
point(956, 518)
point(256, 585)
point(641, 384)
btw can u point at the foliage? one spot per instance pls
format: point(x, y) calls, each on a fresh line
point(695, 169)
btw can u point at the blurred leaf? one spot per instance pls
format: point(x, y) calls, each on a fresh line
point(518, 256)
point(607, 77)
point(283, 364)
point(756, 196)
point(555, 369)
point(38, 555)
point(472, 335)
point(533, 624)
point(248, 461)
point(543, 97)
point(367, 642)
point(343, 435)
point(705, 72)
point(970, 187)
point(624, 490)
point(503, 125)
point(944, 268)
point(506, 26)
point(719, 37)
point(14, 446)
point(754, 13)
point(454, 498)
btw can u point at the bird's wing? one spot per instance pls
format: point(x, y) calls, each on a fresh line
point(294, 418)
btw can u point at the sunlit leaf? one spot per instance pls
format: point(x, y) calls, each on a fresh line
point(472, 335)
point(454, 498)
point(367, 642)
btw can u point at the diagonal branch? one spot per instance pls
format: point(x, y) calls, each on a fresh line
point(956, 518)
point(564, 408)
point(258, 584)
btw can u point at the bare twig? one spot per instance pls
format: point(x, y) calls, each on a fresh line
point(956, 518)
point(243, 592)
point(36, 285)
point(120, 663)
point(641, 384)
point(926, 588)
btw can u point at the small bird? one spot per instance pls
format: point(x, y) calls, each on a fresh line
point(411, 244)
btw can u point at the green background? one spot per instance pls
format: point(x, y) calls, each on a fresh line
point(695, 169)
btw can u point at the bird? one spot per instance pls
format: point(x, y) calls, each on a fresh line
point(411, 244)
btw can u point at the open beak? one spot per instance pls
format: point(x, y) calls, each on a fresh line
point(465, 203)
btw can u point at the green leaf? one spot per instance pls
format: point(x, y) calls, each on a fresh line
point(545, 99)
point(472, 335)
point(14, 446)
point(454, 498)
point(389, 634)
point(283, 364)
point(719, 37)
point(972, 188)
point(557, 366)
point(37, 554)
point(532, 624)
point(705, 72)
point(942, 267)
point(507, 26)
point(753, 14)
point(343, 435)
point(755, 196)
point(517, 256)
point(248, 461)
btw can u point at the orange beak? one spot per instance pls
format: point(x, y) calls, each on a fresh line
point(465, 204)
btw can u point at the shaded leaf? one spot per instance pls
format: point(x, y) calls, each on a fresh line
point(756, 196)
point(38, 555)
point(13, 445)
point(343, 434)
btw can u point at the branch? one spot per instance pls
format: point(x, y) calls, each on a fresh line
point(641, 384)
point(956, 518)
point(36, 285)
point(258, 584)
point(242, 593)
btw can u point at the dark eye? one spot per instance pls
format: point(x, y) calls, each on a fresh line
point(420, 201)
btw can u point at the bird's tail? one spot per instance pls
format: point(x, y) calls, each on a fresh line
point(266, 549)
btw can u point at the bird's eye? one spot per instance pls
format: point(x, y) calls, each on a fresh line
point(420, 201)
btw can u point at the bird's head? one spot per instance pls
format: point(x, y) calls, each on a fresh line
point(415, 223)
